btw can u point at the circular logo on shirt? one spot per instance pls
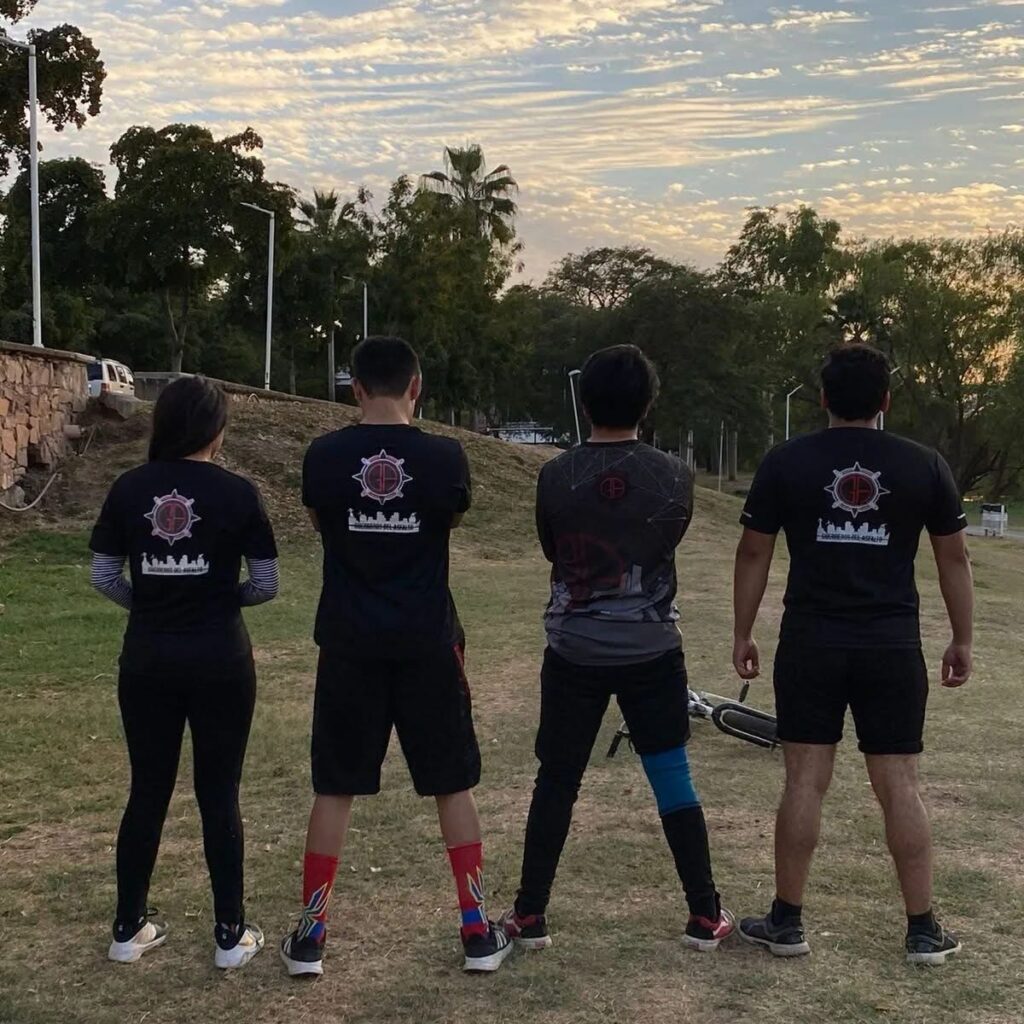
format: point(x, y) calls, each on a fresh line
point(173, 517)
point(383, 477)
point(856, 490)
point(613, 486)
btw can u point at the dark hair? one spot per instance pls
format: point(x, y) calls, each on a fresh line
point(385, 366)
point(855, 379)
point(188, 416)
point(618, 386)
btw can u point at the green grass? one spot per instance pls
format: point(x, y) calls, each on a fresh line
point(617, 912)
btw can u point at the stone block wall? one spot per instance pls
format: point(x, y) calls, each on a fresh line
point(41, 392)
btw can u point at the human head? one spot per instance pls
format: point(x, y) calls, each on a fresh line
point(190, 416)
point(855, 383)
point(388, 368)
point(618, 386)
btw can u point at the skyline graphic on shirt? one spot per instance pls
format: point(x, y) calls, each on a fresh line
point(171, 566)
point(829, 533)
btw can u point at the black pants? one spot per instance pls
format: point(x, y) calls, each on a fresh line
point(653, 699)
point(154, 709)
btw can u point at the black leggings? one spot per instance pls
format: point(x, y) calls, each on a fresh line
point(154, 709)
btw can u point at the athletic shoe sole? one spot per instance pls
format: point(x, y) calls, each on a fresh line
point(535, 944)
point(933, 959)
point(779, 949)
point(301, 968)
point(132, 952)
point(487, 964)
point(233, 959)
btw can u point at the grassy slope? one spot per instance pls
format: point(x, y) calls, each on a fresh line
point(617, 911)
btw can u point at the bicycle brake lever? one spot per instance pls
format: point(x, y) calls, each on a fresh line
point(744, 692)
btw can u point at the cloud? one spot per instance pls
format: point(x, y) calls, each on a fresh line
point(754, 75)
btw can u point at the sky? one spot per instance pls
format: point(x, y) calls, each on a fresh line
point(650, 122)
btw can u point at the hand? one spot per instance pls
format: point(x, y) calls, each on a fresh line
point(746, 658)
point(957, 665)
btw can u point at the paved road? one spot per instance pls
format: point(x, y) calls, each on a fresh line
point(976, 531)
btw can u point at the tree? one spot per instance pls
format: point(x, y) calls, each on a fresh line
point(71, 192)
point(953, 314)
point(70, 75)
point(176, 222)
point(483, 201)
point(605, 278)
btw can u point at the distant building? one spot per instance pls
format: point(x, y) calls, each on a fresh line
point(524, 433)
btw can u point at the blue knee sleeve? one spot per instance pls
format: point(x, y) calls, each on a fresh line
point(669, 775)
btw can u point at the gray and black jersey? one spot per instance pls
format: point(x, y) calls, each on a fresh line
point(609, 517)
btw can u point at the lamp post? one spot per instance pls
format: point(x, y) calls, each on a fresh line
point(881, 415)
point(33, 174)
point(789, 398)
point(270, 289)
point(366, 306)
point(574, 376)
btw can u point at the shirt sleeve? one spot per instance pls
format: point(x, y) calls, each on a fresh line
point(462, 489)
point(308, 498)
point(945, 511)
point(763, 510)
point(108, 535)
point(544, 532)
point(258, 542)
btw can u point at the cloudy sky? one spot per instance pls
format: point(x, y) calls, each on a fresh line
point(644, 121)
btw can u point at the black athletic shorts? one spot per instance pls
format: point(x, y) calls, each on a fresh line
point(426, 699)
point(652, 696)
point(886, 689)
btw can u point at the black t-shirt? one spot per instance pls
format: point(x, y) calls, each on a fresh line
point(853, 503)
point(386, 498)
point(184, 527)
point(610, 517)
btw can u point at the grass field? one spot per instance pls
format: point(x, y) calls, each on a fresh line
point(617, 913)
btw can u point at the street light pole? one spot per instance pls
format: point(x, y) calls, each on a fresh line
point(574, 376)
point(33, 173)
point(788, 400)
point(366, 305)
point(270, 290)
point(881, 415)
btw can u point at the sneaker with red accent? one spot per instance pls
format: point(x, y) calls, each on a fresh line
point(529, 932)
point(706, 935)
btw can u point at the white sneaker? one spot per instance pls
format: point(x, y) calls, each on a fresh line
point(250, 943)
point(130, 951)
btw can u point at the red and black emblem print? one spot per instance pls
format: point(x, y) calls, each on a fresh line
point(383, 477)
point(856, 490)
point(613, 486)
point(173, 517)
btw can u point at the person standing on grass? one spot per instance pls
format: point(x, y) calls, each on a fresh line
point(184, 525)
point(853, 502)
point(610, 515)
point(385, 497)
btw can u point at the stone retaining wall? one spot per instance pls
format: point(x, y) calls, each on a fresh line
point(41, 391)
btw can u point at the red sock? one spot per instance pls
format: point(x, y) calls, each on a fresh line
point(468, 868)
point(318, 873)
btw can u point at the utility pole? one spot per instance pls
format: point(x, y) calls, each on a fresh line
point(33, 177)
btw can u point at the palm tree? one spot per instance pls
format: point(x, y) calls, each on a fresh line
point(484, 198)
point(331, 230)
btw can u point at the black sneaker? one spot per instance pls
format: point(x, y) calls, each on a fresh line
point(931, 949)
point(486, 953)
point(133, 941)
point(530, 932)
point(785, 939)
point(302, 956)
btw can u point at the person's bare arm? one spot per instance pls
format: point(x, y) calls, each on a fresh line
point(753, 562)
point(314, 519)
point(956, 581)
